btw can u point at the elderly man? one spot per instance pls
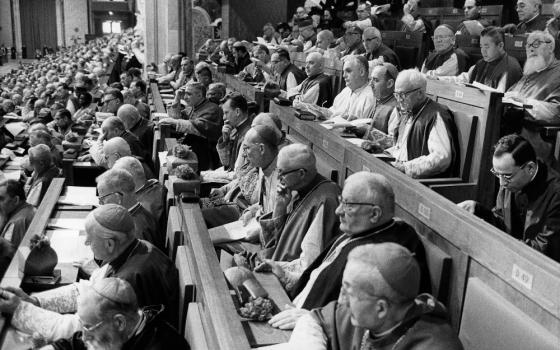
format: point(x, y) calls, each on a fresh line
point(446, 59)
point(303, 220)
point(539, 88)
point(149, 192)
point(365, 18)
point(376, 50)
point(142, 128)
point(113, 301)
point(353, 42)
point(527, 206)
point(356, 100)
point(317, 87)
point(325, 39)
point(259, 70)
point(473, 23)
point(44, 170)
point(116, 148)
point(236, 124)
point(202, 124)
point(288, 76)
point(15, 210)
point(308, 34)
point(530, 17)
point(110, 232)
point(112, 100)
point(39, 137)
point(379, 307)
point(366, 214)
point(216, 92)
point(426, 135)
point(496, 69)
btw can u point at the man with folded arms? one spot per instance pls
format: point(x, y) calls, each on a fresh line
point(317, 87)
point(446, 59)
point(376, 50)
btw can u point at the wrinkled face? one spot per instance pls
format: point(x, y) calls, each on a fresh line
point(322, 42)
point(110, 104)
point(193, 96)
point(490, 51)
point(535, 46)
point(187, 67)
point(98, 333)
point(300, 12)
point(371, 41)
point(381, 87)
point(351, 37)
point(470, 9)
point(289, 174)
point(253, 151)
point(407, 95)
point(526, 9)
point(512, 176)
point(355, 218)
point(352, 74)
point(443, 39)
point(313, 65)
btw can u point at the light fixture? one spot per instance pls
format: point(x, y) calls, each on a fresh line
point(110, 13)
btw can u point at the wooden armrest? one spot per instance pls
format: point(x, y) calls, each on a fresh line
point(441, 180)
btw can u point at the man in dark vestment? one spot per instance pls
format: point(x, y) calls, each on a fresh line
point(113, 301)
point(496, 69)
point(528, 202)
point(375, 48)
point(317, 87)
point(379, 308)
point(287, 74)
point(236, 124)
point(427, 143)
point(110, 232)
point(473, 23)
point(366, 214)
point(353, 41)
point(17, 214)
point(530, 18)
point(201, 123)
point(44, 170)
point(142, 128)
point(242, 57)
point(446, 59)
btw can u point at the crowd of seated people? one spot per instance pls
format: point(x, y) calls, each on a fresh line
point(317, 238)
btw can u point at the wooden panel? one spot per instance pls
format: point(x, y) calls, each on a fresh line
point(194, 331)
point(173, 232)
point(186, 285)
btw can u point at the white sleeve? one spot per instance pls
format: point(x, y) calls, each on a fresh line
point(363, 24)
point(294, 91)
point(459, 79)
point(394, 121)
point(449, 67)
point(311, 95)
point(439, 157)
point(96, 152)
point(291, 82)
point(308, 334)
point(413, 25)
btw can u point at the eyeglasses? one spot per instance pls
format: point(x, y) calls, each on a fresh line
point(370, 39)
point(441, 37)
point(536, 44)
point(349, 206)
point(102, 198)
point(107, 101)
point(282, 174)
point(401, 95)
point(507, 177)
point(90, 329)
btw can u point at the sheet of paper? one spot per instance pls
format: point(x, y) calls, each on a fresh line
point(358, 142)
point(69, 245)
point(481, 86)
point(67, 223)
point(339, 122)
point(10, 175)
point(159, 115)
point(162, 158)
point(16, 128)
point(79, 196)
point(231, 232)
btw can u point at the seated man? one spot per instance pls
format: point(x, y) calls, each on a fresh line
point(216, 93)
point(270, 35)
point(365, 18)
point(427, 143)
point(110, 232)
point(113, 301)
point(149, 193)
point(527, 203)
point(186, 73)
point(325, 41)
point(16, 212)
point(540, 88)
point(287, 75)
point(138, 91)
point(140, 127)
point(44, 170)
point(379, 308)
point(356, 100)
point(61, 125)
point(117, 148)
point(366, 213)
point(203, 74)
point(41, 137)
point(473, 24)
point(241, 56)
point(307, 33)
point(117, 186)
point(317, 87)
point(303, 220)
point(530, 17)
point(375, 49)
point(446, 59)
point(259, 70)
point(112, 100)
point(201, 123)
point(353, 42)
point(496, 69)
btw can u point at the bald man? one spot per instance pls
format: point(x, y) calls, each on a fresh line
point(446, 59)
point(44, 170)
point(317, 87)
point(110, 232)
point(117, 186)
point(116, 148)
point(142, 128)
point(303, 220)
point(366, 212)
point(375, 49)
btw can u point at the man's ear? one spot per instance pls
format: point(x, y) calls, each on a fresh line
point(376, 214)
point(119, 321)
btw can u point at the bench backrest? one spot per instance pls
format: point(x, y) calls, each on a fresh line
point(408, 46)
point(439, 265)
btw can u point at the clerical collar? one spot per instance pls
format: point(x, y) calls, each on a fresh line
point(446, 51)
point(532, 19)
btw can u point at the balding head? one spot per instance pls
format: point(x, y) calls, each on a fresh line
point(114, 149)
point(314, 64)
point(324, 39)
point(377, 196)
point(296, 165)
point(40, 158)
point(134, 167)
point(355, 71)
point(129, 115)
point(260, 146)
point(271, 120)
point(371, 38)
point(112, 127)
point(527, 9)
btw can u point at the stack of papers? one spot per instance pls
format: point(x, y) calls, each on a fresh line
point(79, 196)
point(339, 122)
point(70, 245)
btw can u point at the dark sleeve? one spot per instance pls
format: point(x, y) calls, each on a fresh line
point(208, 123)
point(73, 343)
point(547, 240)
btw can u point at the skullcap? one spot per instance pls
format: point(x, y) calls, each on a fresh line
point(113, 217)
point(116, 290)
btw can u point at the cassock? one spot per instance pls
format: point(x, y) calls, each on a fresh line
point(536, 23)
point(451, 62)
point(388, 55)
point(151, 273)
point(146, 226)
point(154, 334)
point(502, 72)
point(144, 131)
point(316, 90)
point(18, 223)
point(531, 215)
point(312, 212)
point(152, 196)
point(290, 77)
point(381, 114)
point(320, 283)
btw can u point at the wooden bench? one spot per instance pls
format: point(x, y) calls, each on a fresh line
point(454, 16)
point(408, 46)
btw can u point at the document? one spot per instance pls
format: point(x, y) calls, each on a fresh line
point(69, 245)
point(16, 128)
point(234, 231)
point(75, 195)
point(339, 122)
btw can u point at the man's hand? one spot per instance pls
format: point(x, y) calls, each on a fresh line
point(270, 266)
point(217, 193)
point(253, 234)
point(399, 166)
point(516, 96)
point(226, 131)
point(168, 121)
point(22, 295)
point(283, 198)
point(287, 319)
point(469, 206)
point(8, 302)
point(85, 158)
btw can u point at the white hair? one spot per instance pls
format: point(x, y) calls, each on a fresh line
point(413, 78)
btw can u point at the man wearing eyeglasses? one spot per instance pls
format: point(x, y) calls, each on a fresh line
point(353, 42)
point(376, 50)
point(111, 319)
point(427, 143)
point(378, 308)
point(446, 59)
point(366, 214)
point(473, 23)
point(535, 98)
point(528, 202)
point(530, 18)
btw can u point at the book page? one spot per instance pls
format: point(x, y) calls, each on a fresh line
point(79, 196)
point(234, 231)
